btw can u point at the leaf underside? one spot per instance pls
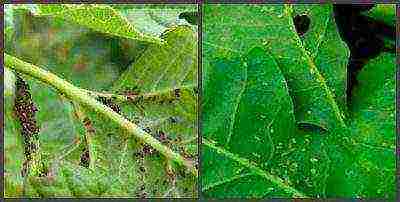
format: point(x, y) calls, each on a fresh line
point(100, 58)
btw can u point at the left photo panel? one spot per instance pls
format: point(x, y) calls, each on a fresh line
point(100, 100)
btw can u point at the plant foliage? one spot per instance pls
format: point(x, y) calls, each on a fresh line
point(276, 121)
point(147, 76)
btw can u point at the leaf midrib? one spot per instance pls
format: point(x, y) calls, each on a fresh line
point(255, 169)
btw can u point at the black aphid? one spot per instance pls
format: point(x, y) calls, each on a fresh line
point(85, 158)
point(25, 111)
point(88, 125)
point(177, 93)
point(109, 103)
point(173, 119)
point(148, 150)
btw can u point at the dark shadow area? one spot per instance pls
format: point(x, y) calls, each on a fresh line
point(364, 37)
point(190, 17)
point(311, 128)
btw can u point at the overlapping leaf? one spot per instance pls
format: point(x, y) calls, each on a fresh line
point(325, 47)
point(155, 19)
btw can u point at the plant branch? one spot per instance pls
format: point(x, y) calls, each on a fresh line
point(82, 97)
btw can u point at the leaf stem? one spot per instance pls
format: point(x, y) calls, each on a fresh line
point(82, 97)
point(87, 135)
point(139, 97)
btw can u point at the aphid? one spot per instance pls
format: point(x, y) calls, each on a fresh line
point(142, 169)
point(195, 90)
point(147, 150)
point(177, 93)
point(138, 154)
point(25, 110)
point(88, 125)
point(147, 130)
point(170, 173)
point(109, 103)
point(162, 137)
point(132, 93)
point(172, 119)
point(85, 158)
point(25, 168)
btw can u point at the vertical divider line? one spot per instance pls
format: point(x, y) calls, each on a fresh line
point(200, 91)
point(2, 16)
point(397, 101)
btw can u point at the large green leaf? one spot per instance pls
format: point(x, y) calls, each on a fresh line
point(101, 18)
point(96, 61)
point(273, 27)
point(368, 170)
point(251, 134)
point(168, 72)
point(245, 154)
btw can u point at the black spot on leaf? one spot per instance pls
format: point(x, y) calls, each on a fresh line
point(302, 24)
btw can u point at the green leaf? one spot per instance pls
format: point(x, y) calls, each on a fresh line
point(165, 76)
point(98, 17)
point(259, 109)
point(93, 60)
point(322, 158)
point(383, 12)
point(272, 26)
point(368, 168)
point(163, 71)
point(373, 103)
point(86, 58)
point(324, 45)
point(155, 19)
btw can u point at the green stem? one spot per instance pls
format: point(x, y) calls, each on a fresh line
point(82, 97)
point(87, 136)
point(141, 97)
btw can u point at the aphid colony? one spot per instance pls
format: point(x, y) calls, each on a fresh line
point(25, 110)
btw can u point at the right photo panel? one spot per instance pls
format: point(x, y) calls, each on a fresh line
point(298, 101)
